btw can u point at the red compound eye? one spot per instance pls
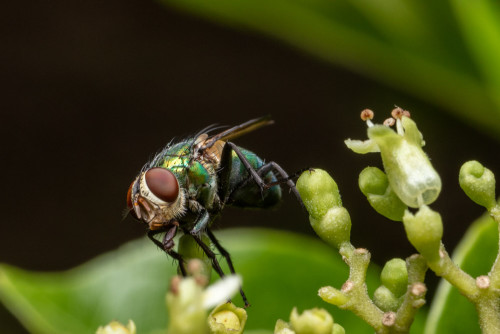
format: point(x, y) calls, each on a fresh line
point(162, 183)
point(129, 201)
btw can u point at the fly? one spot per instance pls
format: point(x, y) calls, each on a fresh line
point(186, 186)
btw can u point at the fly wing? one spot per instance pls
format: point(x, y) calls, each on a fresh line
point(238, 130)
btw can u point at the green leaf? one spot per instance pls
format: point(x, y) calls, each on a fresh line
point(280, 270)
point(428, 48)
point(451, 312)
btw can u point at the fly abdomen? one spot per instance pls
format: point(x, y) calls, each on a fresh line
point(245, 192)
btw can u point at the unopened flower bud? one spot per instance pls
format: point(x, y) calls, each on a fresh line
point(385, 299)
point(319, 192)
point(337, 329)
point(186, 311)
point(334, 227)
point(227, 319)
point(321, 198)
point(333, 296)
point(283, 327)
point(478, 183)
point(424, 230)
point(314, 321)
point(375, 186)
point(115, 327)
point(394, 276)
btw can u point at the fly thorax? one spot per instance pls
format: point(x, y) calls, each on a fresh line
point(208, 154)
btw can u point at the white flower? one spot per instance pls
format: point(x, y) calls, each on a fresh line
point(115, 327)
point(189, 304)
point(409, 171)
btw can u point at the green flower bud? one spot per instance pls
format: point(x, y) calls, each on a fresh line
point(373, 181)
point(375, 186)
point(478, 183)
point(334, 227)
point(227, 319)
point(314, 321)
point(333, 296)
point(283, 327)
point(394, 276)
point(424, 230)
point(186, 312)
point(337, 329)
point(115, 327)
point(319, 192)
point(410, 173)
point(385, 299)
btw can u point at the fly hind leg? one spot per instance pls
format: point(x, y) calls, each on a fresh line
point(270, 166)
point(273, 166)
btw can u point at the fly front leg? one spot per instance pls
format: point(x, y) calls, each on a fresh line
point(201, 222)
point(167, 244)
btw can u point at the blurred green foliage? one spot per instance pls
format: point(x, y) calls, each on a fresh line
point(445, 52)
point(280, 270)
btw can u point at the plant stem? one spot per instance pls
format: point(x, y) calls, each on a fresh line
point(355, 287)
point(487, 310)
point(448, 270)
point(495, 269)
point(414, 298)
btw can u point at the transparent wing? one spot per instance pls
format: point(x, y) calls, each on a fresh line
point(238, 130)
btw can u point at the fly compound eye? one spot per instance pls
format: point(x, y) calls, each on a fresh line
point(130, 204)
point(162, 183)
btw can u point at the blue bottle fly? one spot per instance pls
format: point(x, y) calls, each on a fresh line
point(186, 185)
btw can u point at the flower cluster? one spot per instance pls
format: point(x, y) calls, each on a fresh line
point(402, 192)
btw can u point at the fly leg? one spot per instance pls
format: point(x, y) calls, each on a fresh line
point(168, 244)
point(255, 176)
point(290, 177)
point(226, 255)
point(215, 264)
point(284, 177)
point(210, 254)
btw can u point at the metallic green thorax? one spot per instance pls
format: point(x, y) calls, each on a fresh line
point(199, 177)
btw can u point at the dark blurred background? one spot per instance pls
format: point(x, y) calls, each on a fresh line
point(91, 90)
